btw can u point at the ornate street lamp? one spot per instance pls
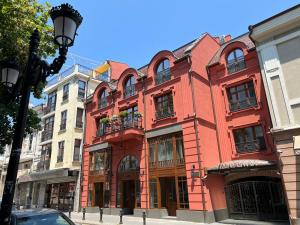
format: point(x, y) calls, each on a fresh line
point(66, 22)
point(9, 73)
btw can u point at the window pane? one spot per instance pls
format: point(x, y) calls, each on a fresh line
point(179, 148)
point(153, 194)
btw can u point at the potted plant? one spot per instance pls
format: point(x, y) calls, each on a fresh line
point(138, 114)
point(105, 120)
point(123, 114)
point(114, 118)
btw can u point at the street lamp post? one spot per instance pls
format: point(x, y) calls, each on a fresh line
point(66, 21)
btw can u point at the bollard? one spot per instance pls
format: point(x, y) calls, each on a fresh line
point(121, 217)
point(144, 218)
point(101, 215)
point(70, 211)
point(83, 214)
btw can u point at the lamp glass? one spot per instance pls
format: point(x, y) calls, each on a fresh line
point(64, 30)
point(9, 76)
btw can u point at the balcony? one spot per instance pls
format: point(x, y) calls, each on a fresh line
point(49, 108)
point(164, 112)
point(47, 135)
point(167, 163)
point(163, 76)
point(237, 65)
point(121, 130)
point(251, 146)
point(244, 104)
point(43, 165)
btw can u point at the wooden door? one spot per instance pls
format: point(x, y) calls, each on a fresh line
point(168, 195)
point(129, 194)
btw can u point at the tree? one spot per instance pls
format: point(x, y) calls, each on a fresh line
point(18, 19)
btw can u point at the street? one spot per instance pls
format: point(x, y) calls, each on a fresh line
point(93, 219)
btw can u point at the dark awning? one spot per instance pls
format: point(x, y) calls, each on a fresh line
point(48, 174)
point(237, 165)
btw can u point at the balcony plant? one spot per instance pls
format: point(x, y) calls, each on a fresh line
point(114, 118)
point(138, 114)
point(123, 114)
point(105, 120)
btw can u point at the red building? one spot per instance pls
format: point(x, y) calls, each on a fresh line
point(166, 137)
point(248, 170)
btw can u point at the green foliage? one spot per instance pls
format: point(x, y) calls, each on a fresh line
point(19, 18)
point(123, 114)
point(105, 120)
point(8, 113)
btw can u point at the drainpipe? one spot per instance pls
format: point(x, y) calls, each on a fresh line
point(197, 135)
point(215, 117)
point(81, 148)
point(145, 139)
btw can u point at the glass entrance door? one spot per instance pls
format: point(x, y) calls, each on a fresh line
point(99, 194)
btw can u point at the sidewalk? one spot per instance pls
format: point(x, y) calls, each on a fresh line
point(93, 219)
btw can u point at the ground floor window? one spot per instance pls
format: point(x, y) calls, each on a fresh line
point(165, 192)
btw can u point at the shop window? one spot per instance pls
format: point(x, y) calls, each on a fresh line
point(128, 163)
point(129, 87)
point(183, 193)
point(249, 139)
point(153, 193)
point(235, 61)
point(163, 72)
point(164, 106)
point(97, 162)
point(241, 96)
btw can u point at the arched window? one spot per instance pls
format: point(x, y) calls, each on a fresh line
point(235, 61)
point(163, 72)
point(129, 89)
point(128, 163)
point(102, 100)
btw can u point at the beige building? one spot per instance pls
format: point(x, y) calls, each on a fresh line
point(56, 183)
point(278, 44)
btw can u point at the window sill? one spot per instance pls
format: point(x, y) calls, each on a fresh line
point(62, 131)
point(236, 72)
point(255, 108)
point(59, 164)
point(172, 117)
point(78, 128)
point(239, 155)
point(80, 99)
point(64, 101)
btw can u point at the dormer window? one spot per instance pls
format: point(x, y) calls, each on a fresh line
point(163, 72)
point(235, 61)
point(102, 101)
point(129, 86)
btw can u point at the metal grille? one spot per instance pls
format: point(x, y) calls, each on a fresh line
point(258, 200)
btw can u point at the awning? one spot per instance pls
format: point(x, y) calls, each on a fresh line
point(49, 175)
point(237, 165)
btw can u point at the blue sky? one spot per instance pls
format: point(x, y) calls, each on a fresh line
point(133, 31)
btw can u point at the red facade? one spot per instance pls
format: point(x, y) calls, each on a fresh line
point(159, 137)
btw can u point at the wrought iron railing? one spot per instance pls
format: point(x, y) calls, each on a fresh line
point(119, 125)
point(237, 65)
point(249, 102)
point(167, 163)
point(49, 108)
point(129, 91)
point(43, 165)
point(163, 76)
point(165, 112)
point(250, 146)
point(47, 135)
